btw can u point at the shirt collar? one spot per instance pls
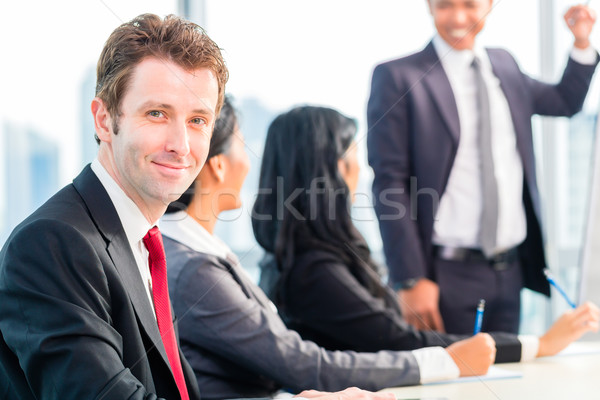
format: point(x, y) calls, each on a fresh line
point(186, 230)
point(133, 220)
point(452, 59)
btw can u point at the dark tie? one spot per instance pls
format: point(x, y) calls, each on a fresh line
point(488, 223)
point(160, 294)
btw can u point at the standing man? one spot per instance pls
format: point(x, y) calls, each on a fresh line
point(85, 312)
point(450, 142)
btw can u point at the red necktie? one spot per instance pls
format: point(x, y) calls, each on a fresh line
point(160, 294)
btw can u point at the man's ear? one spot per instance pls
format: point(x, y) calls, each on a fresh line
point(217, 167)
point(102, 120)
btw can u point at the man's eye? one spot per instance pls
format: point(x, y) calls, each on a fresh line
point(197, 121)
point(155, 114)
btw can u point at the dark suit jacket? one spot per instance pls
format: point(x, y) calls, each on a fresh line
point(412, 141)
point(75, 319)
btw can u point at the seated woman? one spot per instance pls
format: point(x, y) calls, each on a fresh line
point(231, 333)
point(329, 289)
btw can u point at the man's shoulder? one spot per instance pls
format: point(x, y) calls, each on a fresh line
point(499, 52)
point(409, 68)
point(62, 217)
point(58, 238)
point(58, 221)
point(416, 58)
point(500, 57)
point(68, 204)
point(65, 207)
point(412, 60)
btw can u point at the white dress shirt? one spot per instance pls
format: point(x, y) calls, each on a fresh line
point(457, 220)
point(135, 224)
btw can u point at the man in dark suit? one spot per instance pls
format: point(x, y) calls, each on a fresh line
point(80, 315)
point(450, 142)
point(84, 307)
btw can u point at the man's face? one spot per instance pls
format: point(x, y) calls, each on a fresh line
point(165, 126)
point(459, 21)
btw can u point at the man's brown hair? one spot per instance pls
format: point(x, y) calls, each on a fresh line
point(173, 39)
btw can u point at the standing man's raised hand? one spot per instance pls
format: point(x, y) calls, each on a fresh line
point(580, 19)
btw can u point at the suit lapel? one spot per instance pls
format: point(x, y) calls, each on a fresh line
point(107, 220)
point(516, 103)
point(437, 83)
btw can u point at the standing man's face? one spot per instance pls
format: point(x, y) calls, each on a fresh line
point(459, 21)
point(165, 125)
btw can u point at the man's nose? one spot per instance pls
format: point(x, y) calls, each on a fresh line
point(178, 139)
point(460, 18)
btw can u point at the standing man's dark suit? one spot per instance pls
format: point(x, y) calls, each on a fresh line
point(71, 296)
point(413, 137)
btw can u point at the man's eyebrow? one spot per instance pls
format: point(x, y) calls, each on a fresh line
point(163, 106)
point(203, 111)
point(153, 104)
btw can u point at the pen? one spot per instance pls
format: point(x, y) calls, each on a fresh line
point(479, 317)
point(553, 283)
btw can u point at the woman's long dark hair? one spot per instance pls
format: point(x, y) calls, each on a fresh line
point(220, 142)
point(303, 202)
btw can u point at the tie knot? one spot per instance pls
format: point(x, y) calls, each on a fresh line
point(154, 244)
point(476, 63)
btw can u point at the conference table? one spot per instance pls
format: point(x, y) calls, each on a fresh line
point(566, 376)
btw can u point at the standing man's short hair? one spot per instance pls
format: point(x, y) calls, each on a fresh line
point(172, 39)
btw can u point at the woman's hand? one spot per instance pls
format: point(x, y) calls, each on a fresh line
point(568, 328)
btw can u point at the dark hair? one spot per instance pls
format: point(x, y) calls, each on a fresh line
point(220, 142)
point(174, 39)
point(303, 201)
